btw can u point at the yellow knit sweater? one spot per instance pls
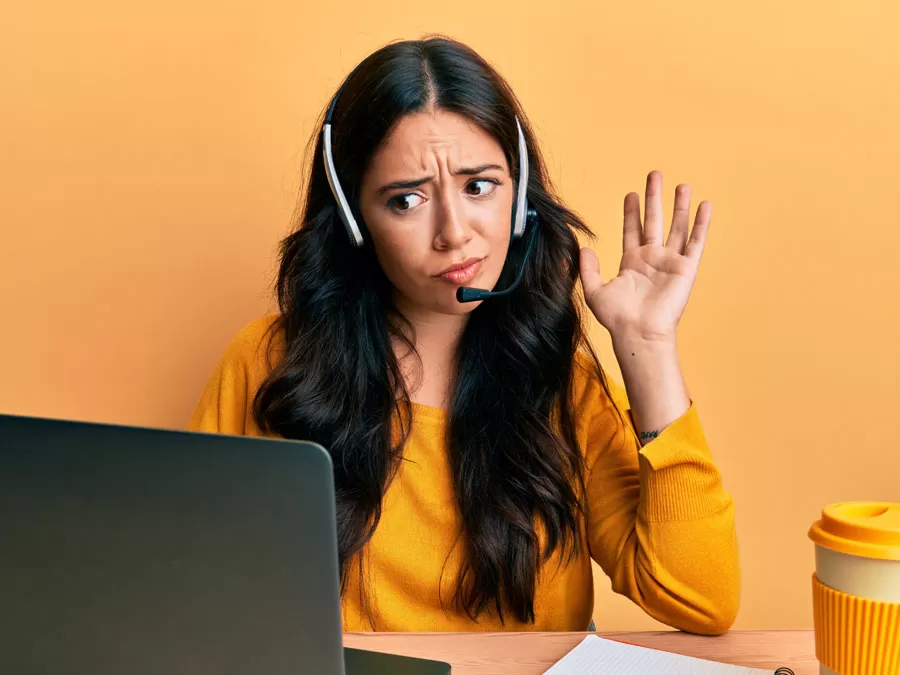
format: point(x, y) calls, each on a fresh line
point(660, 523)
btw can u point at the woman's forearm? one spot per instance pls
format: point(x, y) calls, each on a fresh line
point(654, 383)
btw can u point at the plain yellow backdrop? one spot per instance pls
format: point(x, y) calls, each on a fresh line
point(151, 154)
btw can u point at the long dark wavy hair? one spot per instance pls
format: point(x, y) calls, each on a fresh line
point(517, 468)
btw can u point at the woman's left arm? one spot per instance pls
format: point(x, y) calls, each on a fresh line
point(642, 305)
point(668, 539)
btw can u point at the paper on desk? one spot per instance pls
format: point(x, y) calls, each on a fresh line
point(597, 656)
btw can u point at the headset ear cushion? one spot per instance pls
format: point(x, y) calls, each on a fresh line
point(531, 220)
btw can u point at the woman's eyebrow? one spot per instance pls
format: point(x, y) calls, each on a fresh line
point(404, 184)
point(412, 184)
point(477, 169)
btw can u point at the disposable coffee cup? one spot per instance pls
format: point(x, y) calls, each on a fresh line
point(856, 588)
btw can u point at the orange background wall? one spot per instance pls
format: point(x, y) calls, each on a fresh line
point(150, 155)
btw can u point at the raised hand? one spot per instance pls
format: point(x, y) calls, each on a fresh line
point(647, 298)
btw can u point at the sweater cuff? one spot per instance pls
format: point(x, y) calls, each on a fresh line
point(679, 480)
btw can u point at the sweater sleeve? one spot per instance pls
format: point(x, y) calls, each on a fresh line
point(660, 523)
point(226, 404)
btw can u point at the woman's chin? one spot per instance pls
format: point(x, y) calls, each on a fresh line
point(450, 305)
point(442, 300)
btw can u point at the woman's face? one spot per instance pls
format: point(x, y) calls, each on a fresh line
point(437, 201)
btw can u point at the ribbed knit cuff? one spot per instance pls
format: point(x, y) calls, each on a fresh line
point(679, 480)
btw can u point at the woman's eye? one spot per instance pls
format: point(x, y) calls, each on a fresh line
point(402, 203)
point(482, 187)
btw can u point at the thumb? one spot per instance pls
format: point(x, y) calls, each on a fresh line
point(589, 267)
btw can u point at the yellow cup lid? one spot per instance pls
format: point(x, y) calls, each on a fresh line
point(867, 529)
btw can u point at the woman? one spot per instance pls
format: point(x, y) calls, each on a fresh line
point(481, 457)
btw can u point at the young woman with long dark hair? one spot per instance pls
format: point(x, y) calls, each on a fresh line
point(482, 458)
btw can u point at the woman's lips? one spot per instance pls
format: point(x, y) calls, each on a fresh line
point(462, 275)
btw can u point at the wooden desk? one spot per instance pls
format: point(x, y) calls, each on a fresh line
point(533, 653)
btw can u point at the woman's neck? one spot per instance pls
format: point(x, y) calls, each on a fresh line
point(429, 378)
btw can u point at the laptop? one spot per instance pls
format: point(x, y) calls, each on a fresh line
point(153, 552)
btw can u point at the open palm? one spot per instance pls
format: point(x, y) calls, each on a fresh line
point(648, 297)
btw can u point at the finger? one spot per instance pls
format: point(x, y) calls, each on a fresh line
point(681, 219)
point(694, 248)
point(653, 216)
point(631, 235)
point(589, 268)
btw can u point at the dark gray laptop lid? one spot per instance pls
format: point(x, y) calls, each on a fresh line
point(140, 551)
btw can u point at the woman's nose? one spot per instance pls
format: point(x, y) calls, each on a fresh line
point(453, 228)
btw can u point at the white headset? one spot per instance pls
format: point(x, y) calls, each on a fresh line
point(520, 209)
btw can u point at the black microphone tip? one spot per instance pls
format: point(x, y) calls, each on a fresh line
point(464, 294)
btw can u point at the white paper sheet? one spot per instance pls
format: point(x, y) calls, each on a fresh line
point(598, 656)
